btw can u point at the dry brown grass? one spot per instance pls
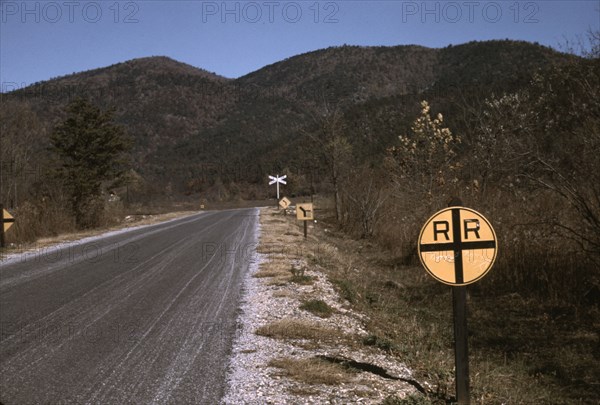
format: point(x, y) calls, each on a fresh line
point(281, 241)
point(290, 328)
point(279, 247)
point(266, 273)
point(317, 307)
point(312, 371)
point(517, 354)
point(272, 270)
point(275, 272)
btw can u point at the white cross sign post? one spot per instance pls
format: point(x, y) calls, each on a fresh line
point(277, 180)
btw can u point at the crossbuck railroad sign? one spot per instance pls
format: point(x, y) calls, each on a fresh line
point(278, 180)
point(457, 246)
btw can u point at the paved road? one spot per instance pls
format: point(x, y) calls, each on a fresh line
point(146, 316)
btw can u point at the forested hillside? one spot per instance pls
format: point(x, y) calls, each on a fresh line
point(192, 128)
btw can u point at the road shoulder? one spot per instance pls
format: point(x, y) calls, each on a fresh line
point(298, 341)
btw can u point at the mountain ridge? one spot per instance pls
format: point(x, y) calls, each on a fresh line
point(183, 117)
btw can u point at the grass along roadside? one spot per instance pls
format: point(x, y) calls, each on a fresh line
point(522, 350)
point(317, 307)
point(316, 351)
point(312, 370)
point(290, 328)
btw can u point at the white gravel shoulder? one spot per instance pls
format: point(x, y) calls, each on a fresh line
point(252, 381)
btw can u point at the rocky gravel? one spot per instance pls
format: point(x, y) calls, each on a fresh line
point(252, 381)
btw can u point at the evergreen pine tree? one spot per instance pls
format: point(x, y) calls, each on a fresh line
point(92, 150)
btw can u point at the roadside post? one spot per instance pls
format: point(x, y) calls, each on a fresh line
point(7, 221)
point(304, 213)
point(457, 246)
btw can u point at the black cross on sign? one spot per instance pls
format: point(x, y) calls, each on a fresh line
point(467, 234)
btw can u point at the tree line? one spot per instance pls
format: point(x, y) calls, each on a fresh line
point(65, 183)
point(527, 157)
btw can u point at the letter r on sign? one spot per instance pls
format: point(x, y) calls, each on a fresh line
point(442, 227)
point(474, 229)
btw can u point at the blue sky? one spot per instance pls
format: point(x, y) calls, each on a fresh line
point(44, 39)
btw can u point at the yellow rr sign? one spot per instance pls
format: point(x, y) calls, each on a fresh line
point(457, 246)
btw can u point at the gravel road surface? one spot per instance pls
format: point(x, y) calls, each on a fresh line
point(145, 316)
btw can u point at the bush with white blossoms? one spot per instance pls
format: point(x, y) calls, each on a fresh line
point(425, 159)
point(429, 134)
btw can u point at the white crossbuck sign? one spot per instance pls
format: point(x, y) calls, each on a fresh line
point(277, 180)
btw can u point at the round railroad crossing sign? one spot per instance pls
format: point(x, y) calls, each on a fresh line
point(457, 246)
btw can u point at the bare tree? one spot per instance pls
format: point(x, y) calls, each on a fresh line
point(366, 195)
point(20, 134)
point(501, 137)
point(334, 147)
point(571, 169)
point(549, 134)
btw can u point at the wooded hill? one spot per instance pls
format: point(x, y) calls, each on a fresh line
point(192, 128)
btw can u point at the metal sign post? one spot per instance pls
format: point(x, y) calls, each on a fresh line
point(457, 246)
point(2, 241)
point(461, 344)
